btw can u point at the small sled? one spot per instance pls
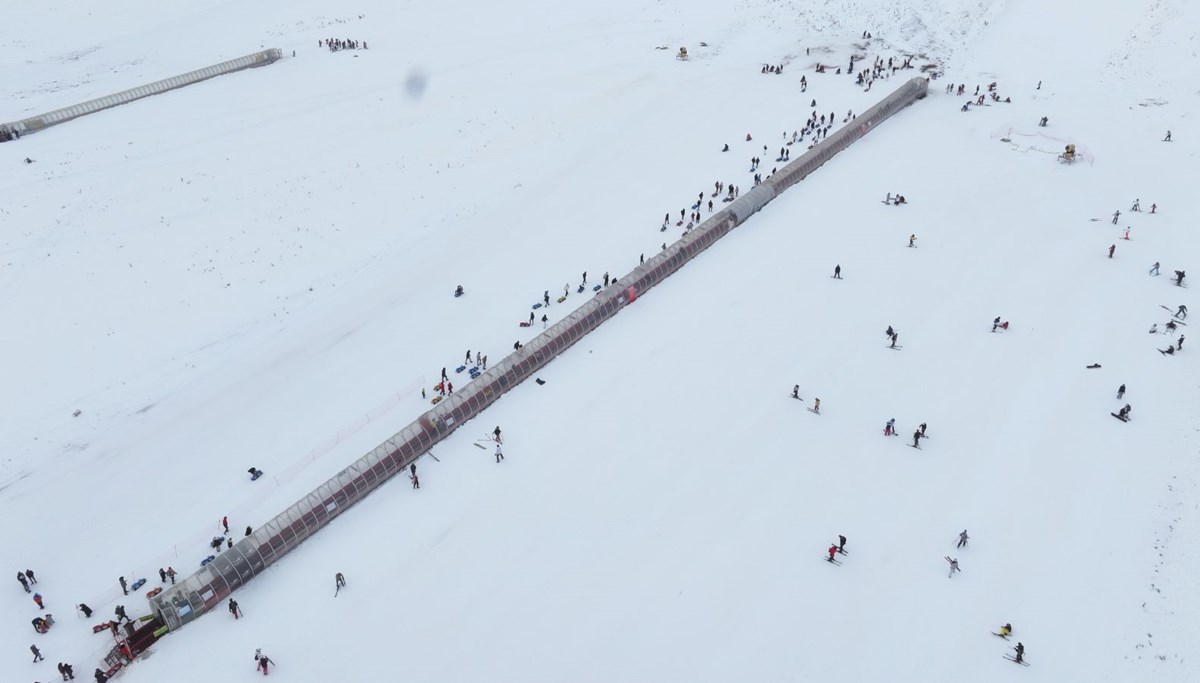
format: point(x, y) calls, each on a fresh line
point(562, 299)
point(596, 288)
point(137, 584)
point(255, 475)
point(436, 400)
point(580, 290)
point(206, 560)
point(524, 324)
point(102, 627)
point(153, 592)
point(460, 368)
point(536, 306)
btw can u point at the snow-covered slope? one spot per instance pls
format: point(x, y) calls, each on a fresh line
point(257, 271)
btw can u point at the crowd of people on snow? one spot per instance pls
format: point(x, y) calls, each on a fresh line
point(337, 44)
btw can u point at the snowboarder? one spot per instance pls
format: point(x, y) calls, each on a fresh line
point(499, 453)
point(1179, 343)
point(889, 332)
point(1154, 328)
point(37, 597)
point(1169, 351)
point(816, 406)
point(916, 439)
point(1137, 205)
point(837, 272)
point(1168, 138)
point(458, 291)
point(1179, 275)
point(912, 238)
point(37, 654)
point(1020, 653)
point(1153, 208)
point(1182, 312)
point(412, 475)
point(24, 582)
point(1123, 413)
point(1170, 327)
point(1111, 249)
point(29, 575)
point(1116, 216)
point(124, 587)
point(1121, 392)
point(234, 610)
point(995, 323)
point(890, 428)
point(1154, 268)
point(953, 566)
point(962, 539)
point(922, 429)
point(895, 337)
point(796, 391)
point(339, 581)
point(171, 572)
point(87, 611)
point(841, 544)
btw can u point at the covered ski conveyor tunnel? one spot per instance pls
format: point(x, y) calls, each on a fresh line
point(208, 587)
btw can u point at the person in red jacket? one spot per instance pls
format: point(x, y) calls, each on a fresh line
point(832, 551)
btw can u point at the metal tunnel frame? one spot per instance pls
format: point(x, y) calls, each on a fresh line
point(233, 568)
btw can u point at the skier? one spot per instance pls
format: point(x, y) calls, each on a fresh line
point(24, 582)
point(889, 332)
point(233, 609)
point(1111, 249)
point(962, 539)
point(37, 597)
point(890, 428)
point(339, 581)
point(837, 272)
point(1153, 208)
point(1182, 312)
point(87, 611)
point(1121, 392)
point(1154, 268)
point(1116, 215)
point(124, 588)
point(953, 566)
point(264, 662)
point(499, 453)
point(29, 575)
point(912, 238)
point(1020, 653)
point(1005, 630)
point(37, 654)
point(841, 544)
point(816, 406)
point(832, 552)
point(412, 469)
